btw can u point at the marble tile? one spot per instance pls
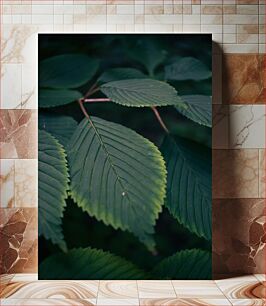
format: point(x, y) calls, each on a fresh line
point(235, 173)
point(51, 290)
point(26, 176)
point(247, 126)
point(10, 85)
point(184, 302)
point(5, 279)
point(155, 289)
point(242, 287)
point(261, 277)
point(19, 236)
point(243, 77)
point(220, 126)
point(18, 133)
point(117, 302)
point(248, 302)
point(7, 183)
point(118, 289)
point(239, 244)
point(47, 302)
point(197, 289)
point(262, 172)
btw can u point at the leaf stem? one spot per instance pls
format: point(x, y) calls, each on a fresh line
point(83, 108)
point(159, 118)
point(96, 100)
point(90, 90)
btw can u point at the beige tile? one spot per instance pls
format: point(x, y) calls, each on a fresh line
point(248, 302)
point(117, 289)
point(262, 173)
point(117, 302)
point(7, 183)
point(155, 289)
point(197, 289)
point(247, 126)
point(211, 9)
point(184, 302)
point(235, 173)
point(26, 176)
point(48, 302)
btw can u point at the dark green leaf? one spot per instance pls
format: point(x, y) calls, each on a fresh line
point(67, 70)
point(189, 184)
point(187, 68)
point(188, 264)
point(148, 53)
point(117, 176)
point(53, 186)
point(116, 74)
point(62, 127)
point(56, 97)
point(197, 108)
point(88, 263)
point(141, 92)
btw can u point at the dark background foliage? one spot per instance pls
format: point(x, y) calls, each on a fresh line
point(115, 50)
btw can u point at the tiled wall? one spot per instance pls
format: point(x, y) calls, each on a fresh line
point(238, 28)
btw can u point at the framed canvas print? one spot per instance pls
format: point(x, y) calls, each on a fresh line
point(124, 154)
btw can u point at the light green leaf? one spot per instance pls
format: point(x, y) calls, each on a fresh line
point(67, 70)
point(189, 184)
point(88, 263)
point(141, 92)
point(62, 127)
point(116, 74)
point(148, 53)
point(197, 108)
point(57, 97)
point(188, 264)
point(187, 68)
point(117, 176)
point(53, 186)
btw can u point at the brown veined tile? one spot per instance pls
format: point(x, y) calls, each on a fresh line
point(184, 302)
point(235, 173)
point(247, 1)
point(48, 302)
point(220, 126)
point(19, 240)
point(245, 287)
point(51, 289)
point(239, 236)
point(248, 302)
point(243, 78)
point(118, 289)
point(18, 133)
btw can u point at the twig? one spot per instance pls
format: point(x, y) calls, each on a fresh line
point(90, 90)
point(160, 119)
point(83, 108)
point(96, 100)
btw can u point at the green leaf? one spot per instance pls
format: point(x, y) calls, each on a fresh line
point(57, 97)
point(187, 68)
point(141, 92)
point(116, 74)
point(88, 263)
point(197, 108)
point(148, 53)
point(189, 184)
point(187, 264)
point(53, 186)
point(67, 70)
point(117, 176)
point(62, 127)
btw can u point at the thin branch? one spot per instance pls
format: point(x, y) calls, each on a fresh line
point(160, 119)
point(83, 108)
point(90, 90)
point(96, 100)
